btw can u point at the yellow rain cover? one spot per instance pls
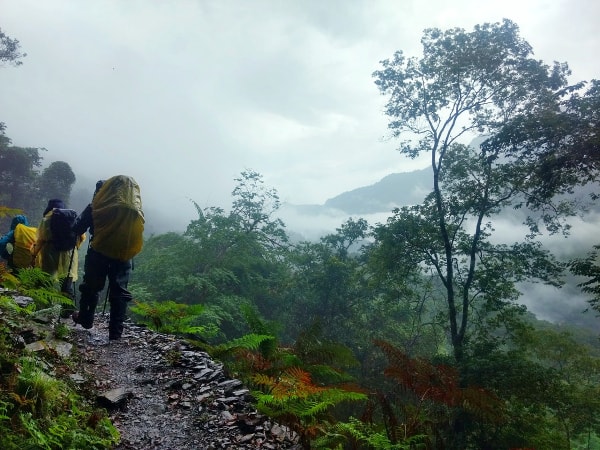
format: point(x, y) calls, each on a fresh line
point(24, 238)
point(118, 218)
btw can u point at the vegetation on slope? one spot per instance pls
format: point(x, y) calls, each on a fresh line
point(40, 406)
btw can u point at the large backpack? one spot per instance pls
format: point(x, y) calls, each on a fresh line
point(61, 227)
point(118, 218)
point(24, 238)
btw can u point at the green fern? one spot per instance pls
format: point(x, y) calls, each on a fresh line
point(38, 408)
point(45, 394)
point(33, 278)
point(44, 413)
point(66, 431)
point(296, 401)
point(260, 326)
point(329, 375)
point(247, 342)
point(7, 303)
point(315, 350)
point(286, 358)
point(44, 297)
point(36, 437)
point(172, 317)
point(306, 414)
point(364, 435)
point(40, 286)
point(4, 408)
point(298, 386)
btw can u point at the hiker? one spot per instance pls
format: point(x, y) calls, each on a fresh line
point(52, 255)
point(116, 222)
point(15, 245)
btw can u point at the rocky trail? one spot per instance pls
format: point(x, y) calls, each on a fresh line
point(162, 394)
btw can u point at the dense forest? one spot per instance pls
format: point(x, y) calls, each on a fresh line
point(409, 333)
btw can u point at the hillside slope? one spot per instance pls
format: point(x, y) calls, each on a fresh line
point(158, 391)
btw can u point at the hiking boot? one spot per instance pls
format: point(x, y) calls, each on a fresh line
point(113, 337)
point(75, 317)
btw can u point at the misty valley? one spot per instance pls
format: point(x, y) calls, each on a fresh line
point(454, 307)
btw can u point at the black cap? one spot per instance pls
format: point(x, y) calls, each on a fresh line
point(54, 203)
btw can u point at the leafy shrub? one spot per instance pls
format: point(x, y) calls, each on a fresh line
point(38, 410)
point(171, 317)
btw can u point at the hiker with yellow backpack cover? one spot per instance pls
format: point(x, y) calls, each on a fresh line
point(51, 254)
point(16, 244)
point(115, 221)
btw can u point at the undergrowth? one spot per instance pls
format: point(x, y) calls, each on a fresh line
point(39, 407)
point(173, 318)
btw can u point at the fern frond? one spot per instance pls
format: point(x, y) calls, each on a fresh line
point(439, 384)
point(263, 380)
point(208, 330)
point(329, 375)
point(297, 376)
point(310, 409)
point(175, 318)
point(254, 362)
point(286, 358)
point(295, 383)
point(34, 278)
point(336, 396)
point(314, 350)
point(362, 434)
point(9, 303)
point(44, 297)
point(248, 341)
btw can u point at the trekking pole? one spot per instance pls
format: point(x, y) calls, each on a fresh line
point(106, 299)
point(66, 283)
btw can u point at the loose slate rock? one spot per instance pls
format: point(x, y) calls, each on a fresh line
point(189, 403)
point(115, 397)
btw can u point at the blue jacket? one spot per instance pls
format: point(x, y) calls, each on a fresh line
point(9, 238)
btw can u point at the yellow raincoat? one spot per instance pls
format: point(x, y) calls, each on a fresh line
point(24, 236)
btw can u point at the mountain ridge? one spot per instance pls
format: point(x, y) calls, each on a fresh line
point(392, 191)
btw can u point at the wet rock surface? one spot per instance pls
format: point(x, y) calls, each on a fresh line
point(163, 394)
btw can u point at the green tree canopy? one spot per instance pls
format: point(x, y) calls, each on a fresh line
point(22, 186)
point(57, 180)
point(18, 175)
point(10, 50)
point(562, 137)
point(224, 259)
point(469, 83)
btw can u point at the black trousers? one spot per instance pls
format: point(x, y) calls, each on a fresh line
point(96, 270)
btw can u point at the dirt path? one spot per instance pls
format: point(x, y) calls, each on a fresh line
point(162, 394)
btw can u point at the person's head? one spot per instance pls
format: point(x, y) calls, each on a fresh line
point(17, 220)
point(53, 203)
point(99, 184)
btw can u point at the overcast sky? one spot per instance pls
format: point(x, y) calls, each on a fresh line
point(185, 94)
